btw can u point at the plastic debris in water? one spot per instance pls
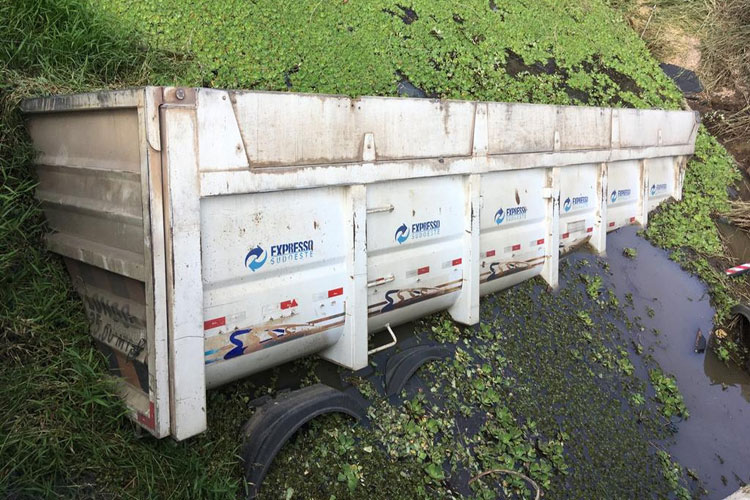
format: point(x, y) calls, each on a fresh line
point(700, 342)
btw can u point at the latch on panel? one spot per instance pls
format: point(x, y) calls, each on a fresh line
point(384, 208)
point(368, 148)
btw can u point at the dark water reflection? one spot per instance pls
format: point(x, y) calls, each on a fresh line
point(715, 440)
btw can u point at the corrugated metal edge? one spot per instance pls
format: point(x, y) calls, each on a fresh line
point(133, 97)
point(115, 260)
point(103, 99)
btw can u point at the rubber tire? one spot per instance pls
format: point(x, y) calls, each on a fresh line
point(276, 421)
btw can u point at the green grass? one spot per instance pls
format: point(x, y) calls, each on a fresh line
point(449, 49)
point(62, 430)
point(61, 427)
point(720, 29)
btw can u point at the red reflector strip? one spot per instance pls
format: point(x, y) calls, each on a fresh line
point(335, 292)
point(516, 247)
point(214, 323)
point(632, 219)
point(589, 229)
point(150, 419)
point(423, 270)
point(565, 235)
point(540, 241)
point(456, 262)
point(611, 224)
point(490, 253)
point(288, 304)
point(738, 270)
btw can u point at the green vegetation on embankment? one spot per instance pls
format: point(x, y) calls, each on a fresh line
point(688, 228)
point(61, 430)
point(711, 38)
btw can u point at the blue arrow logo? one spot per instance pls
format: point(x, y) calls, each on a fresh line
point(614, 196)
point(402, 233)
point(653, 189)
point(566, 204)
point(253, 258)
point(499, 216)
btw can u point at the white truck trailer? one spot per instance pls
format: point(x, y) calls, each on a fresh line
point(213, 234)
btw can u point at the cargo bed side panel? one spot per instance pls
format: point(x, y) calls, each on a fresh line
point(414, 250)
point(93, 168)
point(624, 194)
point(579, 203)
point(513, 225)
point(273, 268)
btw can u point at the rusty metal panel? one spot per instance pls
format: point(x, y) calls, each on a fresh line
point(283, 129)
point(94, 187)
point(116, 308)
point(90, 139)
point(529, 128)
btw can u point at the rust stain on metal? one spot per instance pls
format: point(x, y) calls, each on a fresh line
point(179, 95)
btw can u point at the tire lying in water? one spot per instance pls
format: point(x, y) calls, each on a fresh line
point(277, 420)
point(401, 366)
point(742, 312)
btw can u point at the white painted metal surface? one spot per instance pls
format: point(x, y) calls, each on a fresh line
point(258, 227)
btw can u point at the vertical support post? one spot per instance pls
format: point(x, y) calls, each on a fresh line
point(351, 349)
point(156, 303)
point(550, 271)
point(679, 176)
point(599, 236)
point(466, 309)
point(643, 217)
point(184, 279)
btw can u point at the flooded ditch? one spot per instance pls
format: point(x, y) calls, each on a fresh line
point(714, 441)
point(557, 386)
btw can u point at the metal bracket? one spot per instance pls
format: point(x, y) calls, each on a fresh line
point(385, 346)
point(377, 210)
point(381, 281)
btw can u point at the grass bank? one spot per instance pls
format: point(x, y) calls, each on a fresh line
point(61, 428)
point(712, 38)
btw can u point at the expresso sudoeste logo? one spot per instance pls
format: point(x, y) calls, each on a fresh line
point(279, 254)
point(510, 214)
point(417, 230)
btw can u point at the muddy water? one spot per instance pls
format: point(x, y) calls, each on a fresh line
point(715, 440)
point(737, 241)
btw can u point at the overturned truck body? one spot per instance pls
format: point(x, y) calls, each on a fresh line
point(213, 234)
